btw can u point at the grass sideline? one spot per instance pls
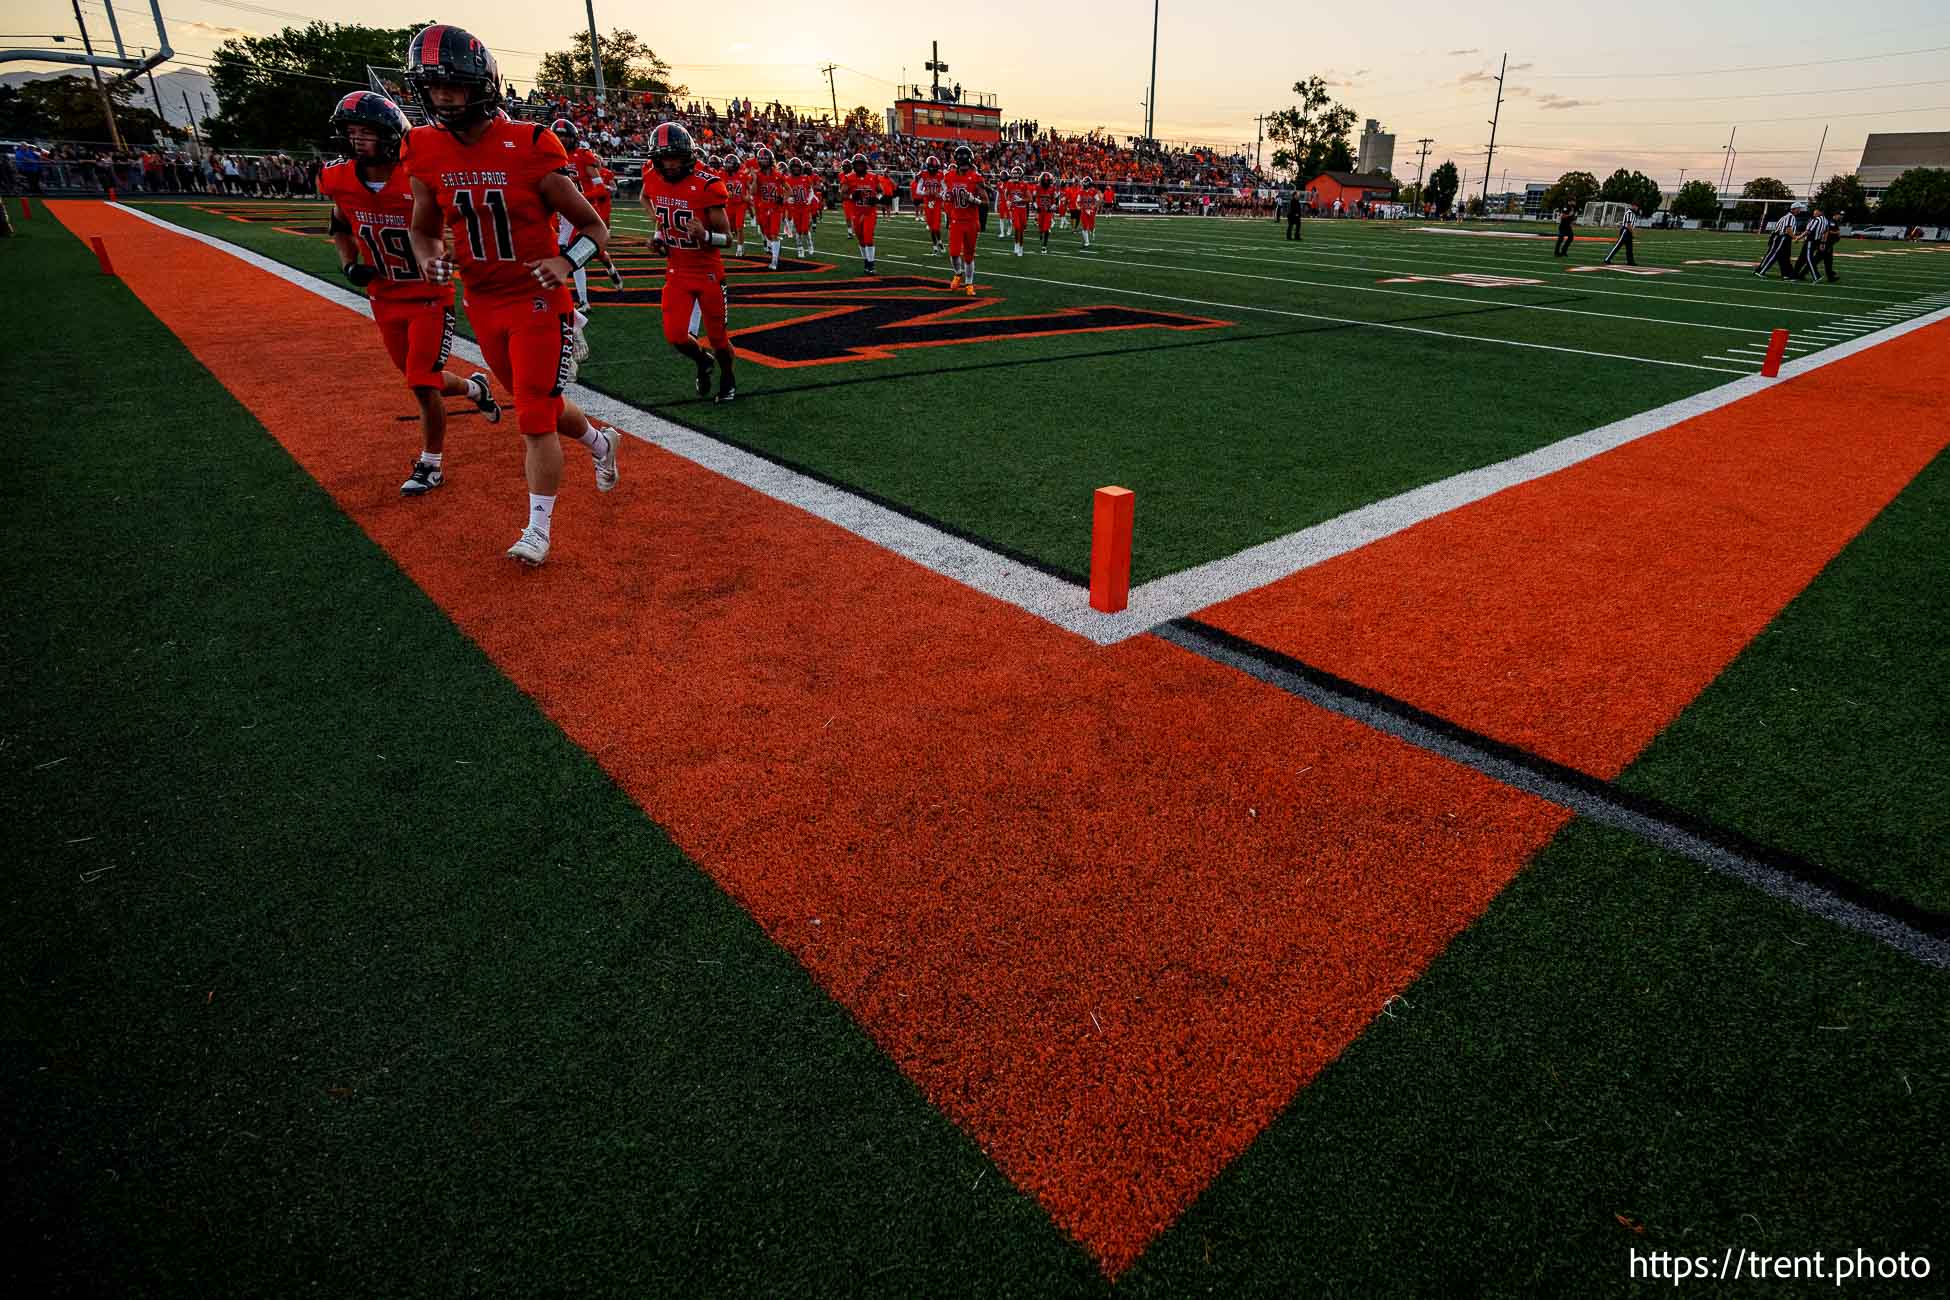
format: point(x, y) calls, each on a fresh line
point(1830, 735)
point(331, 963)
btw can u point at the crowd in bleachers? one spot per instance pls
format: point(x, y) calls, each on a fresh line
point(27, 169)
point(623, 127)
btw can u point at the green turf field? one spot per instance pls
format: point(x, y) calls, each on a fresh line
point(1328, 390)
point(331, 965)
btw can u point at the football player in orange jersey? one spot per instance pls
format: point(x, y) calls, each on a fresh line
point(1045, 200)
point(686, 205)
point(595, 182)
point(737, 187)
point(968, 212)
point(863, 194)
point(486, 192)
point(768, 202)
point(802, 198)
point(1015, 200)
point(1089, 199)
point(371, 203)
point(930, 193)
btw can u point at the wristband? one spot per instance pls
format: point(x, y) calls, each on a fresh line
point(716, 238)
point(360, 274)
point(580, 252)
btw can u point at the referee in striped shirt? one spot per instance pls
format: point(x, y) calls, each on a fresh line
point(1624, 241)
point(1812, 245)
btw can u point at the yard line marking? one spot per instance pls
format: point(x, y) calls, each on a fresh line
point(1176, 595)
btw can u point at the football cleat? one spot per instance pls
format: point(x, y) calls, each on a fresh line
point(704, 367)
point(955, 283)
point(579, 346)
point(615, 276)
point(727, 389)
point(971, 288)
point(424, 479)
point(482, 396)
point(531, 548)
point(606, 470)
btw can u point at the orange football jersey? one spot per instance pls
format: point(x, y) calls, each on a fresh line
point(490, 193)
point(378, 220)
point(737, 184)
point(589, 173)
point(864, 191)
point(768, 186)
point(965, 196)
point(804, 190)
point(677, 206)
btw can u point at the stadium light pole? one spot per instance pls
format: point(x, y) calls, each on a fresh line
point(595, 48)
point(1494, 116)
point(1151, 95)
point(1816, 169)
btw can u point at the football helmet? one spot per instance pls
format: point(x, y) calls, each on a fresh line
point(443, 55)
point(859, 164)
point(671, 143)
point(964, 156)
point(370, 109)
point(565, 131)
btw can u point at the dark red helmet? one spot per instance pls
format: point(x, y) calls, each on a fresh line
point(443, 55)
point(859, 164)
point(964, 156)
point(672, 143)
point(565, 131)
point(765, 160)
point(370, 109)
point(1046, 180)
point(933, 163)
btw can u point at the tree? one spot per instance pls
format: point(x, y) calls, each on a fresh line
point(1919, 197)
point(277, 91)
point(1844, 198)
point(1696, 201)
point(1573, 190)
point(1441, 188)
point(628, 64)
point(1311, 137)
point(70, 108)
point(861, 118)
point(1631, 187)
point(1761, 187)
point(1411, 196)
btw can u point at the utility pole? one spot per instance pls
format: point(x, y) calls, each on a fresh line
point(937, 67)
point(108, 105)
point(1151, 95)
point(1816, 171)
point(195, 134)
point(1422, 160)
point(1726, 177)
point(157, 96)
point(1494, 115)
point(595, 52)
point(828, 70)
point(1260, 121)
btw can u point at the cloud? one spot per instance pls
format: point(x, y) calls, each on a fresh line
point(1457, 52)
point(1521, 67)
point(214, 29)
point(1548, 100)
point(1475, 78)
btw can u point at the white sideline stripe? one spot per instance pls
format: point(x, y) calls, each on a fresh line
point(1174, 596)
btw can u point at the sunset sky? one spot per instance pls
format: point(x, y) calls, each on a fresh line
point(1597, 86)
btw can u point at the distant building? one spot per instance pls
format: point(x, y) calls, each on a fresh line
point(1888, 154)
point(1350, 189)
point(1533, 197)
point(1377, 150)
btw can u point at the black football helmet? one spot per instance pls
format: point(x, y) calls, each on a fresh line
point(933, 164)
point(859, 164)
point(765, 160)
point(444, 55)
point(370, 109)
point(730, 161)
point(565, 131)
point(1015, 173)
point(964, 156)
point(672, 143)
point(1046, 180)
point(794, 167)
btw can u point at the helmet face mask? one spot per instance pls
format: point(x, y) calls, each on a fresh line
point(859, 164)
point(444, 56)
point(565, 131)
point(765, 160)
point(376, 117)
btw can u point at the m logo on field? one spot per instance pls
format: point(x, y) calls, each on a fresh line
point(869, 319)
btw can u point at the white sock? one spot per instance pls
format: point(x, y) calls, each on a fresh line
point(540, 509)
point(969, 274)
point(697, 318)
point(591, 438)
point(580, 321)
point(430, 458)
point(582, 285)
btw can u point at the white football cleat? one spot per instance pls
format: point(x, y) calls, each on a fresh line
point(578, 346)
point(483, 397)
point(531, 548)
point(606, 471)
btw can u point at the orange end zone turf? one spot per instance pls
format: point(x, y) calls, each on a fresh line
point(1108, 908)
point(1576, 615)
